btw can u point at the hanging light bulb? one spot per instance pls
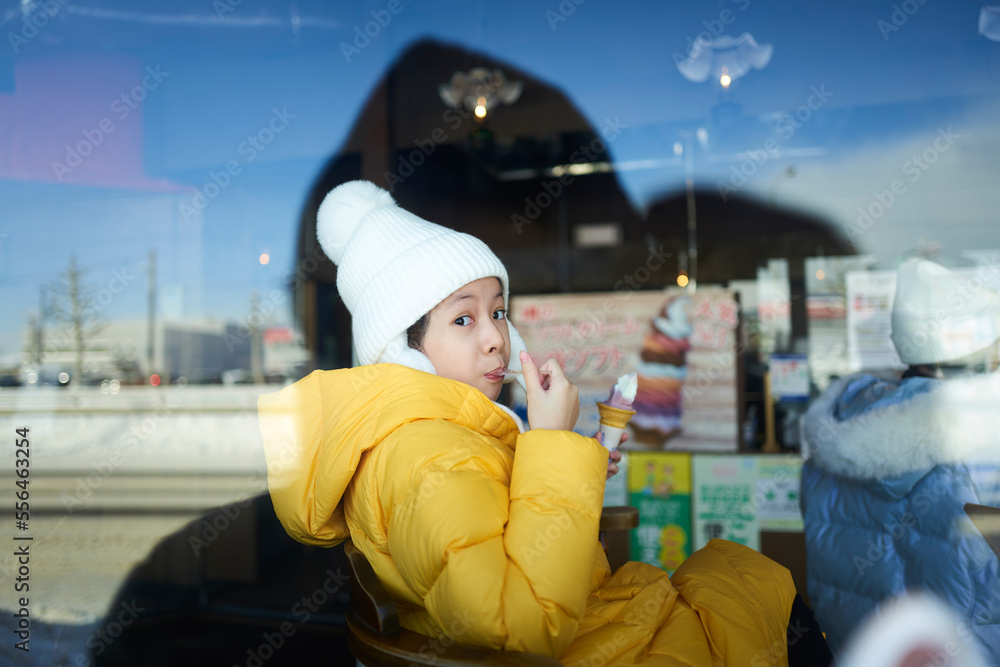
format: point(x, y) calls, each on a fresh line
point(682, 269)
point(725, 79)
point(480, 90)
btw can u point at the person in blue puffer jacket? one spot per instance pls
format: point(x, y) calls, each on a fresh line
point(891, 460)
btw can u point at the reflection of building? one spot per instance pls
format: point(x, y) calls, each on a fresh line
point(198, 350)
point(535, 180)
point(538, 182)
point(285, 354)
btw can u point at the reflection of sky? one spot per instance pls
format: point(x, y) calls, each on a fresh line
point(889, 98)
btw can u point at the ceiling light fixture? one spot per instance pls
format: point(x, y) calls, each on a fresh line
point(724, 58)
point(479, 90)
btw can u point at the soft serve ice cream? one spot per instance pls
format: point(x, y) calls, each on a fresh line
point(624, 391)
point(617, 410)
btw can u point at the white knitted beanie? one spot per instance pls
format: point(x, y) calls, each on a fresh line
point(940, 316)
point(393, 268)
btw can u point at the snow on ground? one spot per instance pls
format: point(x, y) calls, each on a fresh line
point(140, 429)
point(168, 453)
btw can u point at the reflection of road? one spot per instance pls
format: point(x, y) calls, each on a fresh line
point(79, 561)
point(79, 558)
point(146, 493)
point(112, 475)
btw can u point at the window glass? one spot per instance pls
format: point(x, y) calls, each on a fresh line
point(161, 165)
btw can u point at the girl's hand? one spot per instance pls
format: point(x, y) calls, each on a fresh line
point(553, 401)
point(614, 456)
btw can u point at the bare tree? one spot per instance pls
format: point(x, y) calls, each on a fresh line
point(71, 306)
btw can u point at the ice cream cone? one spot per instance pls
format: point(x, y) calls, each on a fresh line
point(613, 423)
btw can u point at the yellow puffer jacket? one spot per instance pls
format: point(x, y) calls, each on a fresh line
point(488, 536)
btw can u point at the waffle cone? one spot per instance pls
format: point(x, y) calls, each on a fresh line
point(616, 417)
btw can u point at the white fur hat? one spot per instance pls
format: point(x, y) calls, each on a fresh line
point(394, 267)
point(940, 316)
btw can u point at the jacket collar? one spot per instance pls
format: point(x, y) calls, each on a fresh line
point(955, 421)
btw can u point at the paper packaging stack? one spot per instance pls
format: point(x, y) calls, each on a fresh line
point(617, 410)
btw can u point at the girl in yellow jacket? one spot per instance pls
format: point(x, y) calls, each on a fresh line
point(483, 531)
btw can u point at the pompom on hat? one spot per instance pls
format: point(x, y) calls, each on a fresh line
point(394, 267)
point(940, 316)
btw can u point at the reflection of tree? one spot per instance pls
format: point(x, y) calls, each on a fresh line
point(71, 306)
point(254, 331)
point(35, 345)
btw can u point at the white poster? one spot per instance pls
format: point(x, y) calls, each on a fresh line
point(870, 295)
point(723, 506)
point(777, 493)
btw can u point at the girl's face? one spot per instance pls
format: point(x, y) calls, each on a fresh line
point(467, 337)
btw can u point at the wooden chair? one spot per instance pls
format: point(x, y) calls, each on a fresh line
point(376, 639)
point(987, 521)
point(614, 535)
